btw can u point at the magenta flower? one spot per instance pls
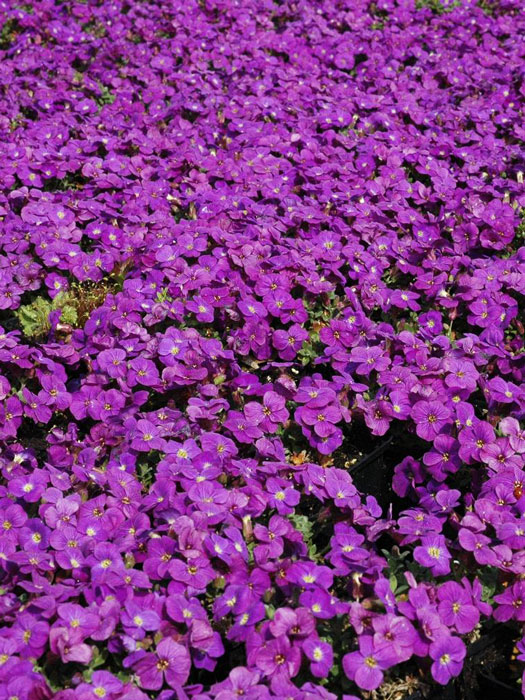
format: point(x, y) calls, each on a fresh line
point(170, 663)
point(511, 603)
point(113, 362)
point(456, 608)
point(279, 658)
point(270, 414)
point(321, 657)
point(430, 418)
point(137, 620)
point(448, 653)
point(103, 684)
point(147, 437)
point(365, 667)
point(395, 633)
point(30, 634)
point(282, 497)
point(369, 359)
point(289, 342)
point(433, 553)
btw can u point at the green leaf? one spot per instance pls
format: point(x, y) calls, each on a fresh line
point(34, 317)
point(99, 658)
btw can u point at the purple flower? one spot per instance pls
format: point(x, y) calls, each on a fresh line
point(30, 634)
point(137, 620)
point(479, 545)
point(242, 428)
point(270, 415)
point(142, 371)
point(282, 497)
point(339, 486)
point(278, 658)
point(171, 664)
point(455, 607)
point(368, 359)
point(321, 657)
point(289, 342)
point(511, 603)
point(35, 406)
point(309, 575)
point(113, 362)
point(399, 405)
point(473, 440)
point(103, 684)
point(203, 311)
point(31, 487)
point(365, 667)
point(147, 437)
point(448, 653)
point(395, 633)
point(322, 420)
point(295, 623)
point(320, 603)
point(430, 418)
point(511, 428)
point(443, 458)
point(81, 622)
point(433, 553)
point(239, 245)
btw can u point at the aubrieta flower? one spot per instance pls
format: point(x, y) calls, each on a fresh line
point(102, 685)
point(321, 656)
point(170, 662)
point(448, 653)
point(456, 608)
point(430, 418)
point(270, 414)
point(433, 553)
point(290, 341)
point(242, 274)
point(511, 603)
point(278, 658)
point(366, 666)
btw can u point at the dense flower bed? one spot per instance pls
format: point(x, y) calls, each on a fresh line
point(243, 244)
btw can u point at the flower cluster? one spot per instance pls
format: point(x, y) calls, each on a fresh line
point(242, 245)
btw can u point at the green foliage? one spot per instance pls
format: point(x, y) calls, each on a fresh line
point(76, 304)
point(520, 231)
point(34, 317)
point(489, 577)
point(163, 296)
point(7, 34)
point(398, 563)
point(145, 474)
point(489, 8)
point(305, 526)
point(311, 349)
point(106, 97)
point(437, 6)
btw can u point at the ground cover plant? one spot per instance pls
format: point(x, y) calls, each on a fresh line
point(261, 349)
